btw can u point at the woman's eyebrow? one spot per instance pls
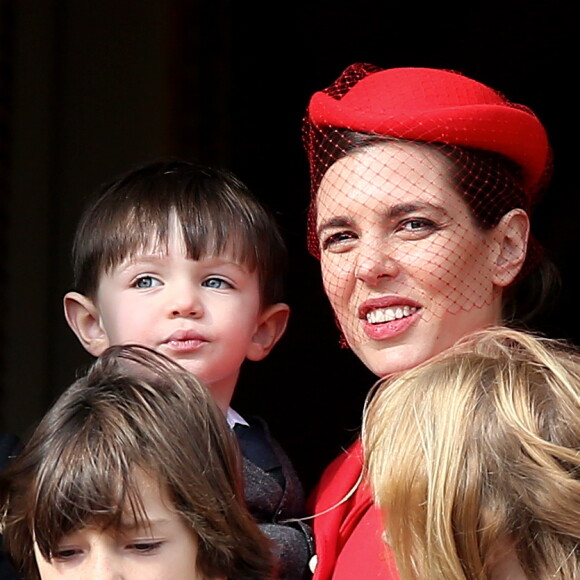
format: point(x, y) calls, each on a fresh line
point(333, 222)
point(401, 209)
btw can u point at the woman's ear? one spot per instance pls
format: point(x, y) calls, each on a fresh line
point(511, 235)
point(271, 326)
point(82, 316)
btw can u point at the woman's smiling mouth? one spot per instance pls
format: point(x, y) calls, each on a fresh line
point(381, 315)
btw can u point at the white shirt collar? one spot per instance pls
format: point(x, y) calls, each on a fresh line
point(234, 417)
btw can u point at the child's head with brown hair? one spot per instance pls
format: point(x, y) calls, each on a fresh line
point(136, 462)
point(474, 459)
point(215, 211)
point(183, 258)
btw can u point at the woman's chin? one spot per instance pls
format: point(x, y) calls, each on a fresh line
point(393, 359)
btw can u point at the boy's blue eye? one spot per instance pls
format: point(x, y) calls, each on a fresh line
point(216, 283)
point(146, 282)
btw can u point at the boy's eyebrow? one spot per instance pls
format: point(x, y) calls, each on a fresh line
point(138, 260)
point(149, 255)
point(131, 524)
point(136, 257)
point(154, 258)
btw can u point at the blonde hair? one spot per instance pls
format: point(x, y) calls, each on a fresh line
point(478, 445)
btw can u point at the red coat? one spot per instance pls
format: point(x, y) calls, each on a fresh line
point(348, 538)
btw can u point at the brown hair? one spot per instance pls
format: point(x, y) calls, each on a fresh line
point(134, 409)
point(216, 211)
point(480, 445)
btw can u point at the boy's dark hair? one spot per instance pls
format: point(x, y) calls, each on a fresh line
point(134, 409)
point(216, 211)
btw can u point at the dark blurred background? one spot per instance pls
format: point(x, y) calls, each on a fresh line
point(90, 89)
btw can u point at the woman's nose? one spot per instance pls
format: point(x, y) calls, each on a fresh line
point(375, 263)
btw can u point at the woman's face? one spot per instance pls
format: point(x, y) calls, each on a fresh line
point(403, 264)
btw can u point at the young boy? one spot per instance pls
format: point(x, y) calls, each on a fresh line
point(183, 259)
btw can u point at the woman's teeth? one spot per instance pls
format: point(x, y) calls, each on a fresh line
point(389, 314)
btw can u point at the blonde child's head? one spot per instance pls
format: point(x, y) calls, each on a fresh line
point(474, 459)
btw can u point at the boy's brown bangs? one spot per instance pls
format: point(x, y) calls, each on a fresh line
point(88, 485)
point(215, 230)
point(217, 214)
point(208, 229)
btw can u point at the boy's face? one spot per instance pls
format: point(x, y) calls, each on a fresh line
point(205, 314)
point(164, 548)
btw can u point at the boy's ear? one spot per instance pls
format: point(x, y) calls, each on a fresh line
point(83, 317)
point(271, 326)
point(511, 234)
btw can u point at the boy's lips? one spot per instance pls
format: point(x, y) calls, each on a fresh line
point(185, 340)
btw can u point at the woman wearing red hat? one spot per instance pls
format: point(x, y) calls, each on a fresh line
point(423, 181)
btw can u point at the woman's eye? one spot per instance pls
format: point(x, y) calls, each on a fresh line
point(146, 282)
point(336, 238)
point(216, 283)
point(418, 225)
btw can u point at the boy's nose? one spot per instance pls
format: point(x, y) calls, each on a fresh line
point(102, 566)
point(186, 304)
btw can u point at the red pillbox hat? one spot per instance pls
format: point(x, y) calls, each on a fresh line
point(434, 105)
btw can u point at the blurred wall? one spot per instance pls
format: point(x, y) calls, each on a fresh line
point(90, 97)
